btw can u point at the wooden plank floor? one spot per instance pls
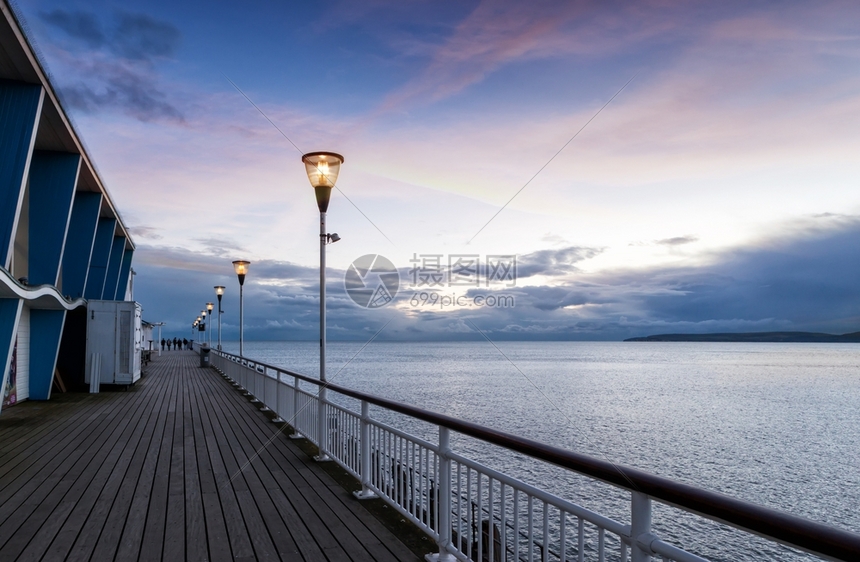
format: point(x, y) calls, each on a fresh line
point(175, 468)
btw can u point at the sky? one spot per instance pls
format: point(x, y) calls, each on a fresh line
point(643, 167)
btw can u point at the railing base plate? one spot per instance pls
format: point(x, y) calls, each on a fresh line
point(440, 557)
point(365, 495)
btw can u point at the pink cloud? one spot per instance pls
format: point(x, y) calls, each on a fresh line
point(500, 32)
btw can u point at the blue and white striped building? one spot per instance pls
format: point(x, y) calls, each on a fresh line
point(62, 240)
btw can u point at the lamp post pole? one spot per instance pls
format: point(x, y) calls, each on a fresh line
point(160, 324)
point(322, 298)
point(219, 290)
point(241, 267)
point(322, 169)
point(323, 433)
point(210, 306)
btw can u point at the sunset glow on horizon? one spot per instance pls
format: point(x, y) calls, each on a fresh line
point(716, 191)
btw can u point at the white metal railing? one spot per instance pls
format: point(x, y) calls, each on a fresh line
point(477, 513)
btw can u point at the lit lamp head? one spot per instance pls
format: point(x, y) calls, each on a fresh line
point(219, 290)
point(241, 267)
point(210, 306)
point(322, 169)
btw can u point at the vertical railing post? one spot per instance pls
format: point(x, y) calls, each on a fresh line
point(640, 527)
point(255, 384)
point(443, 499)
point(322, 426)
point(277, 408)
point(365, 451)
point(295, 421)
point(245, 382)
point(265, 383)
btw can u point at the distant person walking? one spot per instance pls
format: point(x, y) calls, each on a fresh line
point(162, 344)
point(185, 343)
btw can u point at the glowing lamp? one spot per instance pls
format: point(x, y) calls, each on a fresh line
point(322, 169)
point(241, 267)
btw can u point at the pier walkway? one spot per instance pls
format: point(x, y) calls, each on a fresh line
point(155, 473)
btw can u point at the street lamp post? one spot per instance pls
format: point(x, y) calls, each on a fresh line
point(209, 307)
point(160, 324)
point(203, 326)
point(219, 290)
point(322, 169)
point(241, 267)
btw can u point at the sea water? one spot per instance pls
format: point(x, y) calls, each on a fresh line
point(777, 424)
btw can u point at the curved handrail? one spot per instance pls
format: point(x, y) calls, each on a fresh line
point(770, 523)
point(37, 296)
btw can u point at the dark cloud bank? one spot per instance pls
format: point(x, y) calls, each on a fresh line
point(114, 62)
point(808, 282)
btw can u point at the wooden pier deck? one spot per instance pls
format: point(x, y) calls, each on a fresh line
point(156, 473)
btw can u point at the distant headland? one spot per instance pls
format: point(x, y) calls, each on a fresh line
point(786, 337)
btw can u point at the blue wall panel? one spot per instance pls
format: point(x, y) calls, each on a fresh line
point(123, 275)
point(10, 310)
point(53, 176)
point(100, 258)
point(46, 327)
point(116, 254)
point(19, 111)
point(79, 242)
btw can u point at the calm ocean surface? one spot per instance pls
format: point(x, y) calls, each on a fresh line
point(775, 424)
